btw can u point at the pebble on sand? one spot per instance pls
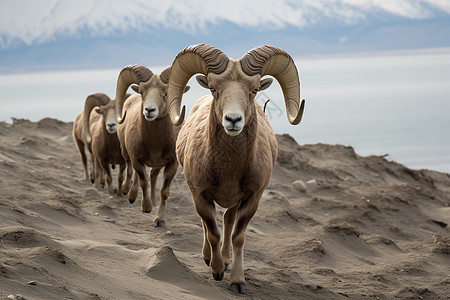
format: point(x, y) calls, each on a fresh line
point(299, 185)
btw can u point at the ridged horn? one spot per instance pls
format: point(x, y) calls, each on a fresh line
point(191, 60)
point(269, 60)
point(93, 100)
point(129, 75)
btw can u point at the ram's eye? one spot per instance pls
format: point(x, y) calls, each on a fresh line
point(212, 89)
point(255, 91)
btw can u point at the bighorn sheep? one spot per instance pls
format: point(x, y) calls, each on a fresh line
point(79, 131)
point(146, 134)
point(227, 146)
point(103, 143)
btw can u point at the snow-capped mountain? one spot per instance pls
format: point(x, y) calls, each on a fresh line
point(61, 34)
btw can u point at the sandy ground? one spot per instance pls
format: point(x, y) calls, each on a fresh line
point(364, 228)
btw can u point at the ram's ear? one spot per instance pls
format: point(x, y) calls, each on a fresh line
point(98, 110)
point(135, 88)
point(201, 79)
point(265, 83)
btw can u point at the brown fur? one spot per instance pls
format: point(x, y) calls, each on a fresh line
point(232, 171)
point(106, 150)
point(104, 147)
point(79, 137)
point(227, 146)
point(148, 143)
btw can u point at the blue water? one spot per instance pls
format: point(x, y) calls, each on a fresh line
point(396, 104)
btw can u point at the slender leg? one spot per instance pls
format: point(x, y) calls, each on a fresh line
point(228, 221)
point(97, 170)
point(206, 249)
point(134, 189)
point(169, 173)
point(143, 181)
point(245, 213)
point(122, 167)
point(82, 150)
point(153, 177)
point(93, 169)
point(127, 183)
point(206, 210)
point(106, 169)
point(102, 177)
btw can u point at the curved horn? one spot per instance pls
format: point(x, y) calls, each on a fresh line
point(268, 60)
point(193, 59)
point(93, 100)
point(129, 75)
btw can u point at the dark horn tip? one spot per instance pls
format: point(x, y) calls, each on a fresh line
point(180, 119)
point(121, 120)
point(299, 116)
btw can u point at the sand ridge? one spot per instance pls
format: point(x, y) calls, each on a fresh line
point(355, 228)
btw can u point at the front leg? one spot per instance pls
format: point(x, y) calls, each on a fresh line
point(228, 221)
point(206, 248)
point(245, 213)
point(169, 173)
point(143, 181)
point(154, 172)
point(206, 210)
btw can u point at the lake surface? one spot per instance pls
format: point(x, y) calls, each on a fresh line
point(382, 104)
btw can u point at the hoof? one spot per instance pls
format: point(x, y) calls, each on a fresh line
point(159, 223)
point(131, 200)
point(92, 181)
point(226, 267)
point(113, 167)
point(238, 288)
point(207, 261)
point(218, 277)
point(147, 211)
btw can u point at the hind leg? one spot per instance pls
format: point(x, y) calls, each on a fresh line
point(106, 170)
point(122, 167)
point(127, 183)
point(82, 151)
point(134, 189)
point(99, 181)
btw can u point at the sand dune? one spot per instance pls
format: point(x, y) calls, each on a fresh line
point(351, 227)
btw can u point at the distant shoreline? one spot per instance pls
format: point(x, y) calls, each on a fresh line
point(89, 67)
point(438, 50)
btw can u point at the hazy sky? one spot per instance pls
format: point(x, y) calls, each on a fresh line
point(32, 22)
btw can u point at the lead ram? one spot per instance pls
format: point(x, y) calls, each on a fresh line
point(227, 146)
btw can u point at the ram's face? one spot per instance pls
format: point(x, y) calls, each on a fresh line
point(154, 94)
point(234, 96)
point(109, 116)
